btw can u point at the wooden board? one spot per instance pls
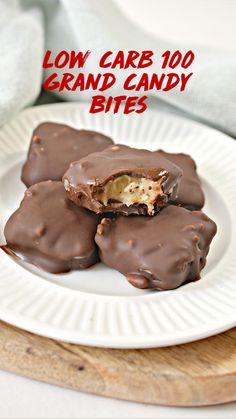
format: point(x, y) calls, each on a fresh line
point(193, 374)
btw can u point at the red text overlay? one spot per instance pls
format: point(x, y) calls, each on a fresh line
point(135, 81)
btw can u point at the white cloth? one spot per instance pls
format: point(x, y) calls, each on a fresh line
point(100, 25)
point(21, 49)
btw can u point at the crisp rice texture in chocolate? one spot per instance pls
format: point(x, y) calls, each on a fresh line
point(86, 179)
point(160, 252)
point(190, 193)
point(51, 232)
point(54, 146)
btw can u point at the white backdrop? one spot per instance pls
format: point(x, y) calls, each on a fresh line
point(206, 22)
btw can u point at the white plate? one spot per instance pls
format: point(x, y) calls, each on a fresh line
point(98, 306)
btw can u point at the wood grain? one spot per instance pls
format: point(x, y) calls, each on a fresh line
point(193, 374)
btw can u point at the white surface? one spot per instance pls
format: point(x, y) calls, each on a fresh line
point(22, 398)
point(194, 22)
point(98, 306)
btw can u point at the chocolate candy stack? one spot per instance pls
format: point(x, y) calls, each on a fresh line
point(137, 211)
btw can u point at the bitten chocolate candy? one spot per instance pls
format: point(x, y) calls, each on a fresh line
point(122, 179)
point(50, 232)
point(160, 252)
point(190, 193)
point(54, 146)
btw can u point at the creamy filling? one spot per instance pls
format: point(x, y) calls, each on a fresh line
point(130, 190)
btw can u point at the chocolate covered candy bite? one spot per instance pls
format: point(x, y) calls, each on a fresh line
point(54, 146)
point(50, 232)
point(190, 193)
point(124, 180)
point(160, 252)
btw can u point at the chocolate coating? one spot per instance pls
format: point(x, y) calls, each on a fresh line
point(54, 146)
point(50, 232)
point(85, 178)
point(160, 252)
point(190, 193)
